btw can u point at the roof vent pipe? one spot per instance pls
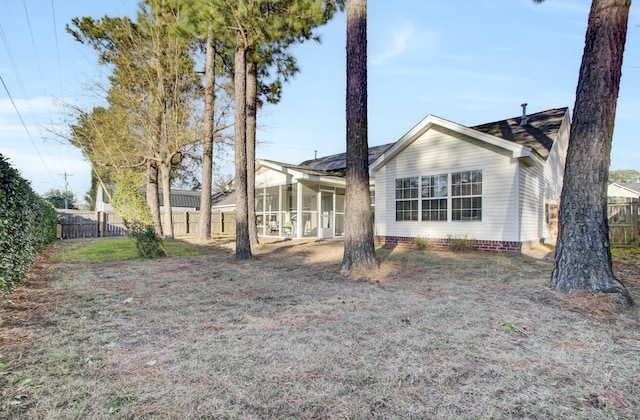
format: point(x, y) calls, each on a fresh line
point(523, 120)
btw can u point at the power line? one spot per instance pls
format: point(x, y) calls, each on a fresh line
point(35, 52)
point(12, 61)
point(17, 75)
point(55, 36)
point(33, 41)
point(25, 128)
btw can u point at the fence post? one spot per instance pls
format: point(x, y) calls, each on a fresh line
point(100, 224)
point(635, 211)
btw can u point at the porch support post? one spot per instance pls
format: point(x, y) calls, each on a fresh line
point(279, 219)
point(299, 210)
point(264, 210)
point(333, 214)
point(319, 207)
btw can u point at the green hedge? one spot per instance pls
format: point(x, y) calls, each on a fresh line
point(27, 223)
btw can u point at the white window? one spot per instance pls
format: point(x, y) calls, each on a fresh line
point(434, 194)
point(466, 196)
point(407, 199)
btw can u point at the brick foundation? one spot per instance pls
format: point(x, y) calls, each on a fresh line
point(481, 245)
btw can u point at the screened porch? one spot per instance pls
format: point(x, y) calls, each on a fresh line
point(300, 210)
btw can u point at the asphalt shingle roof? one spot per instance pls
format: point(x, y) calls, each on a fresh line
point(337, 163)
point(631, 186)
point(539, 133)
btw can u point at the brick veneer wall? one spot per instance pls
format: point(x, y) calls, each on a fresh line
point(492, 246)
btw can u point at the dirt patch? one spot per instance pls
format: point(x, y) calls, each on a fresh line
point(429, 335)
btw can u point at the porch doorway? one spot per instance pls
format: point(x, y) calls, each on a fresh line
point(326, 214)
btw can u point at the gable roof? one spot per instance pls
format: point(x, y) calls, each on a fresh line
point(226, 198)
point(305, 171)
point(517, 150)
point(538, 133)
point(633, 188)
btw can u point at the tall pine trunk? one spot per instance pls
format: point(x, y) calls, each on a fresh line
point(153, 199)
point(252, 97)
point(583, 254)
point(165, 176)
point(204, 225)
point(243, 244)
point(359, 250)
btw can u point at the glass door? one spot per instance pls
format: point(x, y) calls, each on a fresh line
point(326, 214)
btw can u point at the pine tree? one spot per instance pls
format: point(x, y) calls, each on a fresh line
point(359, 249)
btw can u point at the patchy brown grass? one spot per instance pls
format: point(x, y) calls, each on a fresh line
point(429, 335)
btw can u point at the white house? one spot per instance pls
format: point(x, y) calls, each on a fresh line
point(623, 191)
point(491, 183)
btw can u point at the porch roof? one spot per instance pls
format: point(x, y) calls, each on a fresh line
point(301, 172)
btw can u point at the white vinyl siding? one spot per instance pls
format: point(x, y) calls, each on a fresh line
point(554, 166)
point(267, 177)
point(532, 188)
point(441, 151)
point(553, 175)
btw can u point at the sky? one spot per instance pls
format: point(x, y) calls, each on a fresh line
point(470, 62)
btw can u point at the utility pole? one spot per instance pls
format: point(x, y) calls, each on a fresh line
point(66, 190)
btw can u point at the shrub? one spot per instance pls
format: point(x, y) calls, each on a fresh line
point(423, 242)
point(461, 243)
point(148, 243)
point(129, 203)
point(27, 224)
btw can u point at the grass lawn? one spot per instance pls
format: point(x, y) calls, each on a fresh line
point(95, 332)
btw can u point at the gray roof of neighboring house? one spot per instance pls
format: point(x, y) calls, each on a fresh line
point(180, 198)
point(224, 198)
point(539, 133)
point(630, 186)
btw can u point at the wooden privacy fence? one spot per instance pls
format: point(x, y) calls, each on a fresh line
point(623, 224)
point(88, 224)
point(186, 223)
point(92, 224)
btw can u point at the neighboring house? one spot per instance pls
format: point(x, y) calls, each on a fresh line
point(181, 201)
point(223, 201)
point(491, 183)
point(618, 191)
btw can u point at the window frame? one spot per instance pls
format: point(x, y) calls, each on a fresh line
point(407, 202)
point(461, 194)
point(466, 196)
point(433, 193)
